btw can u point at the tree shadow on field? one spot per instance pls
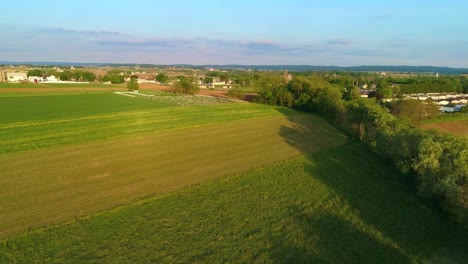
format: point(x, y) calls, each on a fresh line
point(309, 133)
point(380, 200)
point(326, 238)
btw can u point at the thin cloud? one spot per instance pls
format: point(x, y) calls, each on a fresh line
point(156, 43)
point(66, 31)
point(382, 16)
point(339, 41)
point(7, 27)
point(369, 53)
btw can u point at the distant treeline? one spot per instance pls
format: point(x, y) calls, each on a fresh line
point(433, 85)
point(438, 164)
point(365, 68)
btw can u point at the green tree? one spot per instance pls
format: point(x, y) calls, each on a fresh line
point(208, 80)
point(185, 85)
point(162, 78)
point(66, 75)
point(236, 92)
point(77, 75)
point(132, 85)
point(116, 78)
point(88, 76)
point(35, 72)
point(415, 110)
point(351, 93)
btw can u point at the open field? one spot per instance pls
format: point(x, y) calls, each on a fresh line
point(341, 205)
point(153, 148)
point(57, 120)
point(105, 178)
point(457, 126)
point(58, 85)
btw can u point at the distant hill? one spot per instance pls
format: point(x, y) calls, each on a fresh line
point(372, 68)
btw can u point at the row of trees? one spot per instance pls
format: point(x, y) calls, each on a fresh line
point(431, 85)
point(77, 75)
point(437, 163)
point(66, 75)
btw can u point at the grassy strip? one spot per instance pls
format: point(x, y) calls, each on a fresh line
point(342, 205)
point(49, 93)
point(38, 108)
point(447, 118)
point(58, 85)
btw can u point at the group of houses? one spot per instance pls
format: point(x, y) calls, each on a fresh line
point(448, 103)
point(17, 77)
point(216, 83)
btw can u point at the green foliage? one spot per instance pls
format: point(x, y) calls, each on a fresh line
point(114, 78)
point(207, 80)
point(384, 89)
point(413, 151)
point(132, 85)
point(82, 76)
point(185, 85)
point(431, 85)
point(66, 75)
point(416, 111)
point(309, 94)
point(162, 78)
point(351, 93)
point(35, 72)
point(236, 92)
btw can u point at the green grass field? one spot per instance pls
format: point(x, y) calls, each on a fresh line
point(105, 178)
point(341, 205)
point(58, 85)
point(45, 121)
point(94, 152)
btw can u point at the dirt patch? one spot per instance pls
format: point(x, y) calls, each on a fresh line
point(215, 93)
point(459, 127)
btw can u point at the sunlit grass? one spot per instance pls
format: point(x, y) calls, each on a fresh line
point(342, 205)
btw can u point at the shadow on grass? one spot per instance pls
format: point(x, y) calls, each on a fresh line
point(381, 201)
point(330, 239)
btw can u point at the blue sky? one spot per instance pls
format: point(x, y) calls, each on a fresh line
point(310, 32)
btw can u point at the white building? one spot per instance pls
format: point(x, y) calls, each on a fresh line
point(16, 76)
point(443, 102)
point(35, 79)
point(446, 109)
point(51, 78)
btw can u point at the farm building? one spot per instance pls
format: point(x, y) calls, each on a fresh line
point(443, 102)
point(51, 78)
point(35, 79)
point(16, 76)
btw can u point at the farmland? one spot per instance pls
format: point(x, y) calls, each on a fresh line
point(107, 178)
point(110, 143)
point(456, 126)
point(39, 86)
point(293, 211)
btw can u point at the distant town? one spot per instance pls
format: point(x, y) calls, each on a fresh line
point(215, 77)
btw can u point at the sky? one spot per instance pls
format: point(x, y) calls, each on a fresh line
point(332, 32)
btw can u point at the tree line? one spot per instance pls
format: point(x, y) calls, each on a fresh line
point(66, 75)
point(438, 164)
